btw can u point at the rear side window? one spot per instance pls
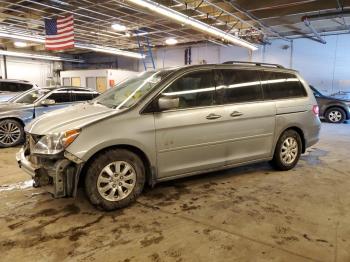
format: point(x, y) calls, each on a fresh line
point(193, 89)
point(238, 86)
point(277, 85)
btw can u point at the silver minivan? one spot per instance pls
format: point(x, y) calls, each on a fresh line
point(172, 123)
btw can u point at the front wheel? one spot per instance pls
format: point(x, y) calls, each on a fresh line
point(335, 115)
point(288, 150)
point(115, 179)
point(11, 133)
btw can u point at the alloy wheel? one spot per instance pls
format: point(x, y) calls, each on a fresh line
point(10, 133)
point(289, 150)
point(116, 181)
point(335, 116)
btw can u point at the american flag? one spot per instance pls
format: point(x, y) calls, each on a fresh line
point(59, 33)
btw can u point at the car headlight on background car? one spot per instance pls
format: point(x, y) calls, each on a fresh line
point(55, 143)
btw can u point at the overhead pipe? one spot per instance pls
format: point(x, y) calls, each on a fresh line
point(317, 35)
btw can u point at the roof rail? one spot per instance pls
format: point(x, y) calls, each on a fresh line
point(253, 63)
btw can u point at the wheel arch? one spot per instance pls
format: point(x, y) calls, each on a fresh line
point(299, 131)
point(13, 118)
point(347, 116)
point(150, 173)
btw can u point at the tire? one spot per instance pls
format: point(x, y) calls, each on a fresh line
point(280, 160)
point(104, 179)
point(11, 133)
point(335, 115)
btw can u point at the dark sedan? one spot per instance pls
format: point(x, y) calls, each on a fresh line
point(332, 109)
point(22, 109)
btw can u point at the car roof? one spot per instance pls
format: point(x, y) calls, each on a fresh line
point(16, 81)
point(234, 65)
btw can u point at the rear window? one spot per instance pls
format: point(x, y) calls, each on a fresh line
point(277, 85)
point(14, 87)
point(238, 86)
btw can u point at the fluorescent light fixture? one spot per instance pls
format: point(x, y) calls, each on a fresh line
point(109, 50)
point(118, 27)
point(20, 44)
point(37, 56)
point(96, 48)
point(171, 41)
point(186, 20)
point(30, 38)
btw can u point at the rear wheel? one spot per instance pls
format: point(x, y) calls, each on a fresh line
point(335, 115)
point(288, 150)
point(115, 179)
point(11, 133)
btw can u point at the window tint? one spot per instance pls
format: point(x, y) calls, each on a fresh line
point(61, 96)
point(237, 86)
point(82, 95)
point(193, 89)
point(278, 85)
point(14, 87)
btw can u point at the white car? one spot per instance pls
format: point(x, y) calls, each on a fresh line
point(10, 88)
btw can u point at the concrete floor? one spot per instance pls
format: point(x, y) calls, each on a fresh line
point(244, 214)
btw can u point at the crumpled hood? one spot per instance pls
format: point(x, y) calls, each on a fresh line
point(68, 118)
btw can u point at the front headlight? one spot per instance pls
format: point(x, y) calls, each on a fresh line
point(55, 143)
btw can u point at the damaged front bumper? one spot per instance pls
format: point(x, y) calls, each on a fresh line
point(59, 175)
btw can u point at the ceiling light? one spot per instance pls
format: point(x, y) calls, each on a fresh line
point(42, 57)
point(118, 27)
point(183, 19)
point(20, 44)
point(171, 41)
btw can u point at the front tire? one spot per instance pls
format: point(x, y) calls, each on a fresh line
point(11, 133)
point(335, 115)
point(288, 151)
point(114, 179)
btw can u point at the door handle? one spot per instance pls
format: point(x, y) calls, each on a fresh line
point(236, 113)
point(212, 116)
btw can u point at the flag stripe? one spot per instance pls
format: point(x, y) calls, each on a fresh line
point(59, 36)
point(64, 30)
point(61, 48)
point(59, 45)
point(59, 33)
point(64, 19)
point(63, 25)
point(64, 39)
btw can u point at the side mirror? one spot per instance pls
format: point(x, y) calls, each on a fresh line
point(48, 102)
point(168, 103)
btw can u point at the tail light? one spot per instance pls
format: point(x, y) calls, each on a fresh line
point(316, 110)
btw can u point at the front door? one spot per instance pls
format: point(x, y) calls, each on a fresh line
point(252, 120)
point(190, 138)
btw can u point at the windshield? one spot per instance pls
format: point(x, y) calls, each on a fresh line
point(132, 90)
point(30, 97)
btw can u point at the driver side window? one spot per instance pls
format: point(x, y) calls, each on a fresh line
point(194, 89)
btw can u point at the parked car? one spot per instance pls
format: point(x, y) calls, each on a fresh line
point(168, 124)
point(22, 109)
point(10, 88)
point(332, 109)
